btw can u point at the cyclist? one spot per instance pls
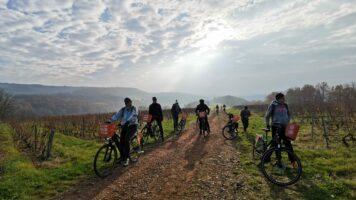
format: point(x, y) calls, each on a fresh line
point(202, 107)
point(129, 122)
point(217, 109)
point(155, 110)
point(245, 115)
point(279, 112)
point(175, 110)
point(224, 108)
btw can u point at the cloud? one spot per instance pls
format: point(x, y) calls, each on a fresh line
point(206, 47)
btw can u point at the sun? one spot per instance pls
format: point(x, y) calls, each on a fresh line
point(213, 38)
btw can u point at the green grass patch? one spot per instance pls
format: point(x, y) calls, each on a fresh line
point(327, 173)
point(71, 162)
point(23, 179)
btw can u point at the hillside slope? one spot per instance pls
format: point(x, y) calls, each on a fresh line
point(229, 100)
point(63, 100)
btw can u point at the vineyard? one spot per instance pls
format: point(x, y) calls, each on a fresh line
point(329, 109)
point(35, 136)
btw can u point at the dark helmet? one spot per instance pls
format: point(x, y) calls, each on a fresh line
point(279, 96)
point(201, 100)
point(127, 100)
point(154, 98)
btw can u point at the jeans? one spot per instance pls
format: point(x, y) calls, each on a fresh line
point(175, 121)
point(281, 129)
point(125, 137)
point(245, 123)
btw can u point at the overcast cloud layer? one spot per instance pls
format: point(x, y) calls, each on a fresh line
point(212, 47)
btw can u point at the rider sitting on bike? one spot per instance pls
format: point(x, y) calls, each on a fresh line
point(202, 107)
point(279, 112)
point(129, 123)
point(217, 109)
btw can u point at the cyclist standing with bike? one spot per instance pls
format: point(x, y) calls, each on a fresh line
point(155, 110)
point(175, 110)
point(245, 115)
point(129, 122)
point(202, 107)
point(279, 112)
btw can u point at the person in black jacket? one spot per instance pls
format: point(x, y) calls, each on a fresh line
point(245, 115)
point(155, 110)
point(202, 107)
point(175, 110)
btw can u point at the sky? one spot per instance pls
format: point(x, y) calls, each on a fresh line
point(212, 47)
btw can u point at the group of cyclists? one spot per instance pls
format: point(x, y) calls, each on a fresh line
point(277, 114)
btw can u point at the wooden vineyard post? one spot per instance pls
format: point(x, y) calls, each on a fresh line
point(326, 137)
point(49, 144)
point(35, 130)
point(83, 127)
point(312, 126)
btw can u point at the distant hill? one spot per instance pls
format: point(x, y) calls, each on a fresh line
point(34, 99)
point(40, 100)
point(229, 100)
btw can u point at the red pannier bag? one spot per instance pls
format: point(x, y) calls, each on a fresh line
point(202, 114)
point(235, 118)
point(184, 116)
point(292, 131)
point(107, 130)
point(147, 118)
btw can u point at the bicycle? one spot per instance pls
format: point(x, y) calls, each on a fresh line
point(181, 125)
point(106, 158)
point(230, 130)
point(276, 169)
point(203, 124)
point(150, 130)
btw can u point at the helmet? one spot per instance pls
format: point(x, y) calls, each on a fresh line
point(154, 98)
point(201, 100)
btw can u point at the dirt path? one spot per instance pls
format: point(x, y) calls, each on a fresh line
point(190, 167)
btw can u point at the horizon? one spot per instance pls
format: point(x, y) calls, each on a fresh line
point(210, 48)
point(252, 97)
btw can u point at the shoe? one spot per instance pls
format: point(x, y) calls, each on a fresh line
point(126, 163)
point(294, 164)
point(119, 161)
point(140, 151)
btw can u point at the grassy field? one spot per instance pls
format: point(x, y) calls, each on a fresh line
point(327, 173)
point(71, 162)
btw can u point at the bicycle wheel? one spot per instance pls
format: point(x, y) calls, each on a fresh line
point(105, 160)
point(257, 149)
point(181, 127)
point(205, 130)
point(135, 148)
point(145, 137)
point(281, 172)
point(156, 132)
point(228, 133)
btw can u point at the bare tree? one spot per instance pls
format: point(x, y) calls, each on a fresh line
point(270, 97)
point(6, 104)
